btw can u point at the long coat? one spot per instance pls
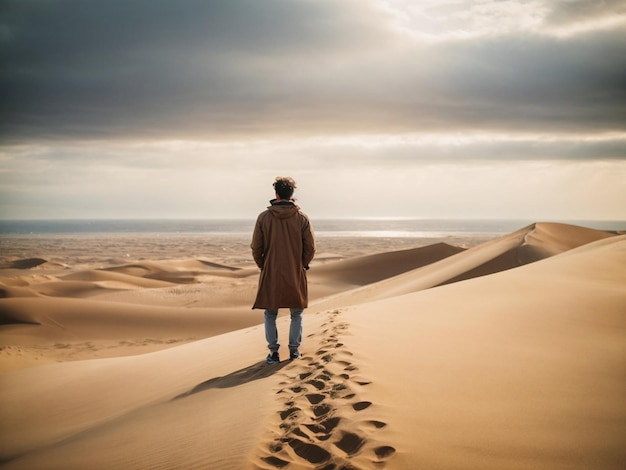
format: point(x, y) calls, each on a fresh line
point(283, 245)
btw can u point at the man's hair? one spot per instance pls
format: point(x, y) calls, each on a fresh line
point(284, 186)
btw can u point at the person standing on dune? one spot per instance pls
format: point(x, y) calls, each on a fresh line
point(282, 246)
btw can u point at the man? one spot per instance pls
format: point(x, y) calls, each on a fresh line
point(283, 245)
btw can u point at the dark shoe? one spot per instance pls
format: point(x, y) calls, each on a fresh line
point(272, 358)
point(294, 355)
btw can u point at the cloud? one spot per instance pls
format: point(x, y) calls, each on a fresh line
point(123, 69)
point(215, 70)
point(458, 20)
point(456, 175)
point(163, 108)
point(575, 14)
point(531, 190)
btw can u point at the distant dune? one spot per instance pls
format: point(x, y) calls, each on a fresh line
point(506, 355)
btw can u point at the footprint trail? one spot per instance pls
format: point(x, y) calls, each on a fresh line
point(324, 422)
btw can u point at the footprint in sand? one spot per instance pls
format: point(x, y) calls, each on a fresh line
point(315, 398)
point(310, 452)
point(324, 427)
point(384, 452)
point(350, 443)
point(288, 412)
point(361, 405)
point(275, 461)
point(321, 410)
point(318, 384)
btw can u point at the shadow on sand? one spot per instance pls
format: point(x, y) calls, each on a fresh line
point(257, 371)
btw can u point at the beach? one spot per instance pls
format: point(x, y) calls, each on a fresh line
point(454, 352)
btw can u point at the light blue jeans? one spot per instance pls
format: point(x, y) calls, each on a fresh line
point(295, 329)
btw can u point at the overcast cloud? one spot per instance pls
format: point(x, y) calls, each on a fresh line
point(154, 108)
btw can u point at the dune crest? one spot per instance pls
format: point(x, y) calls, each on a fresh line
point(549, 239)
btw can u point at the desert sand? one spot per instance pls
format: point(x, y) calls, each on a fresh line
point(144, 353)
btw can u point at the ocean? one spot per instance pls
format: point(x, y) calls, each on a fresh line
point(388, 228)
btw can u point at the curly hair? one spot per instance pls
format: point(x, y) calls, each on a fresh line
point(284, 186)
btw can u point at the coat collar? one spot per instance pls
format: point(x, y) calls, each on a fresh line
point(281, 202)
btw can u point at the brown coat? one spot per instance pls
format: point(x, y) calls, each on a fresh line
point(283, 245)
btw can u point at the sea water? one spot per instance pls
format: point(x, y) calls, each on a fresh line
point(388, 228)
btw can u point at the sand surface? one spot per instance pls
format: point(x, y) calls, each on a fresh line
point(142, 352)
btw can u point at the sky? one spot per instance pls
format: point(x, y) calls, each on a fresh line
point(512, 109)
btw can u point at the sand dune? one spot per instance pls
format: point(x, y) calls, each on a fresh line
point(78, 319)
point(523, 369)
point(27, 263)
point(124, 278)
point(180, 297)
point(509, 354)
point(498, 255)
point(368, 269)
point(548, 239)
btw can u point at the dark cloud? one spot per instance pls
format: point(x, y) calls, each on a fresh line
point(529, 150)
point(572, 12)
point(535, 82)
point(195, 69)
point(71, 32)
point(71, 66)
